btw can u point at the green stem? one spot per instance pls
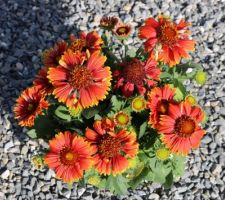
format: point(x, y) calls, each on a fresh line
point(125, 50)
point(112, 54)
point(139, 50)
point(146, 153)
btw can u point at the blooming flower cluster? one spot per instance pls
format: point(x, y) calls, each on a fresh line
point(111, 118)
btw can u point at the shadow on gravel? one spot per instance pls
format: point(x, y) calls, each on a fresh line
point(27, 28)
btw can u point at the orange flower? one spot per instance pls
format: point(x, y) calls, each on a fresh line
point(158, 102)
point(78, 83)
point(90, 41)
point(42, 82)
point(136, 74)
point(122, 31)
point(52, 56)
point(69, 156)
point(29, 105)
point(171, 37)
point(180, 127)
point(112, 149)
point(108, 23)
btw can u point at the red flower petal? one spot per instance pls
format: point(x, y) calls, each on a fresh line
point(146, 32)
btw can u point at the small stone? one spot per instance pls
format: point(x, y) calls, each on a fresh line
point(49, 196)
point(49, 175)
point(2, 195)
point(206, 139)
point(141, 193)
point(25, 173)
point(216, 169)
point(24, 150)
point(8, 145)
point(19, 66)
point(18, 189)
point(5, 174)
point(153, 196)
point(214, 195)
point(80, 192)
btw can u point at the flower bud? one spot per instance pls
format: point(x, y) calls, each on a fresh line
point(201, 77)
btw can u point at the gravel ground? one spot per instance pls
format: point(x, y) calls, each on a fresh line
point(29, 26)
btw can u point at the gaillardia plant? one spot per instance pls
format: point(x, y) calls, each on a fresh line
point(115, 115)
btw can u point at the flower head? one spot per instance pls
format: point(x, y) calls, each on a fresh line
point(122, 31)
point(158, 102)
point(43, 83)
point(94, 180)
point(90, 41)
point(29, 105)
point(138, 104)
point(162, 154)
point(38, 162)
point(112, 148)
point(191, 99)
point(180, 127)
point(121, 119)
point(108, 23)
point(79, 82)
point(136, 74)
point(201, 77)
point(136, 171)
point(69, 156)
point(52, 56)
point(75, 112)
point(133, 162)
point(172, 38)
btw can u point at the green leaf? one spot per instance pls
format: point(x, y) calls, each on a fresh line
point(185, 66)
point(191, 75)
point(152, 163)
point(169, 180)
point(142, 129)
point(160, 170)
point(98, 117)
point(194, 65)
point(165, 75)
point(91, 112)
point(44, 127)
point(178, 165)
point(142, 156)
point(131, 53)
point(63, 113)
point(32, 133)
point(150, 176)
point(141, 177)
point(117, 184)
point(179, 95)
point(116, 103)
point(105, 39)
point(180, 90)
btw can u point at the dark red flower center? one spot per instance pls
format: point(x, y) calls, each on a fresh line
point(134, 72)
point(108, 22)
point(80, 77)
point(168, 34)
point(185, 126)
point(57, 58)
point(67, 156)
point(109, 146)
point(123, 30)
point(162, 107)
point(32, 106)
